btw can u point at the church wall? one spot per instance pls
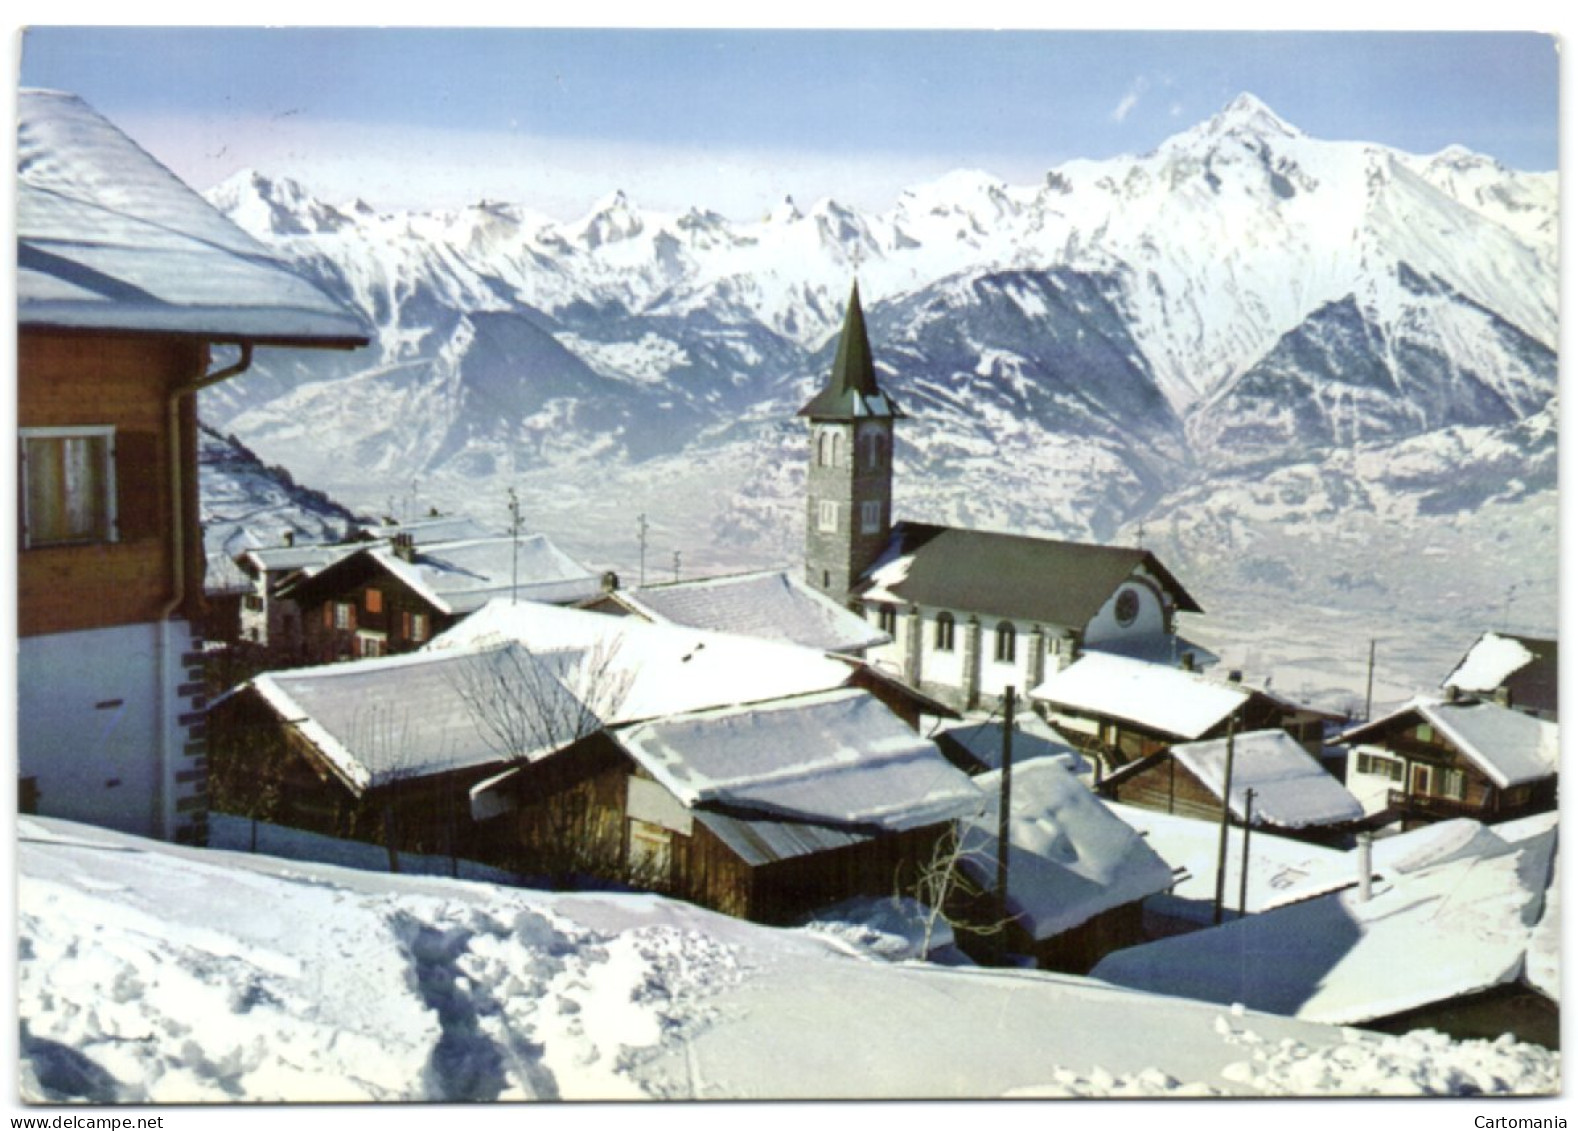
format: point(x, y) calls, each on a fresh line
point(1149, 617)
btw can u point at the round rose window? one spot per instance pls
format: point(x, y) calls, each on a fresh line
point(1127, 608)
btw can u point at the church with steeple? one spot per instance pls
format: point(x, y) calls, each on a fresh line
point(967, 612)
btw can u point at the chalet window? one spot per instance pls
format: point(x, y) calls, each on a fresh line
point(888, 620)
point(1006, 646)
point(1383, 767)
point(253, 602)
point(1452, 784)
point(1424, 732)
point(375, 601)
point(870, 517)
point(344, 616)
point(68, 486)
point(651, 852)
point(827, 517)
point(943, 639)
point(413, 626)
point(371, 644)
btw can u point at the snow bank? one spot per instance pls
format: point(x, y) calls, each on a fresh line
point(149, 973)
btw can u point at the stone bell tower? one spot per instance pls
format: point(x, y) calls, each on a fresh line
point(849, 486)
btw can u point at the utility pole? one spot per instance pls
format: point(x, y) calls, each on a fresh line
point(676, 565)
point(515, 544)
point(641, 540)
point(1227, 810)
point(1243, 865)
point(1004, 801)
point(1369, 682)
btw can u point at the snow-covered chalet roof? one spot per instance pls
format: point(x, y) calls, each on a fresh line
point(837, 758)
point(310, 558)
point(1525, 666)
point(1509, 747)
point(383, 720)
point(109, 239)
point(426, 531)
point(1292, 791)
point(1069, 857)
point(773, 605)
point(662, 669)
point(1168, 700)
point(1441, 931)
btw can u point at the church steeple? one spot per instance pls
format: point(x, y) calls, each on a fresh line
point(849, 487)
point(851, 390)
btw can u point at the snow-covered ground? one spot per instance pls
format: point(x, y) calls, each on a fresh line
point(154, 974)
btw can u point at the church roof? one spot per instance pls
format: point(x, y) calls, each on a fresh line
point(1008, 575)
point(852, 391)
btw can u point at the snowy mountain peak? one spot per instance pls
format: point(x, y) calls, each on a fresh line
point(1246, 119)
point(274, 205)
point(786, 212)
point(611, 220)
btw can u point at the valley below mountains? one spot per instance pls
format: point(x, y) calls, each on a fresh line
point(1318, 378)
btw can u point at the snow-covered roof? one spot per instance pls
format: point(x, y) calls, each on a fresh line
point(1292, 790)
point(1278, 865)
point(1431, 935)
point(460, 577)
point(1526, 667)
point(982, 741)
point(1164, 699)
point(383, 720)
point(774, 605)
point(1069, 857)
point(310, 558)
point(109, 239)
point(222, 575)
point(663, 669)
point(425, 531)
point(839, 758)
point(1509, 747)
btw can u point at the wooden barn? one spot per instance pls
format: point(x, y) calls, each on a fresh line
point(1276, 786)
point(765, 812)
point(1077, 874)
point(127, 281)
point(1124, 710)
point(1462, 757)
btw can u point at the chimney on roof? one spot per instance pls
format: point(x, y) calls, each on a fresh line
point(1504, 696)
point(1235, 676)
point(1454, 693)
point(290, 538)
point(610, 581)
point(1186, 661)
point(404, 546)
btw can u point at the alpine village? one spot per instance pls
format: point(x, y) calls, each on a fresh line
point(1007, 742)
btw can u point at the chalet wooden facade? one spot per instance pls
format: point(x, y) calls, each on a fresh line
point(593, 810)
point(1293, 795)
point(1464, 757)
point(1123, 710)
point(389, 598)
point(125, 281)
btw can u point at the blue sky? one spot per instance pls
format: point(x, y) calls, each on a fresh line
point(736, 120)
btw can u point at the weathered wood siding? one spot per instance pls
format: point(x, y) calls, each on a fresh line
point(66, 380)
point(1166, 787)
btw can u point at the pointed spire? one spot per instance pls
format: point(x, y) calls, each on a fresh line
point(851, 390)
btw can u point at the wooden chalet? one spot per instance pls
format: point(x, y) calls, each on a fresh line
point(1077, 874)
point(1276, 786)
point(126, 281)
point(764, 812)
point(1520, 672)
point(1463, 757)
point(389, 598)
point(1124, 710)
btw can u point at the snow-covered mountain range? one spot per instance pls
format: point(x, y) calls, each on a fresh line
point(1290, 365)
